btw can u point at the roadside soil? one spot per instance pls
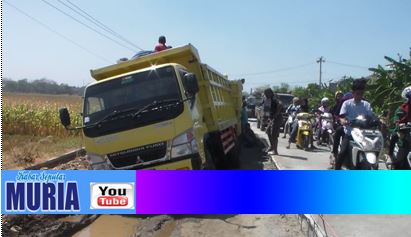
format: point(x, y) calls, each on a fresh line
point(252, 158)
point(22, 151)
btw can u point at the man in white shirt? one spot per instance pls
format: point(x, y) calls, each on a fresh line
point(349, 111)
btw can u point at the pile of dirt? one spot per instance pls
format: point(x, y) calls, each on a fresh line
point(79, 163)
point(43, 225)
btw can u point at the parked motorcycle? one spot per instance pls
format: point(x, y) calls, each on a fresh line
point(401, 158)
point(304, 130)
point(366, 145)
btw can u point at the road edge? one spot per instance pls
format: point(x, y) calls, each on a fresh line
point(53, 162)
point(314, 226)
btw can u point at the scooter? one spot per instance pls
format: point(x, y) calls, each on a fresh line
point(304, 130)
point(290, 120)
point(366, 146)
point(401, 158)
point(326, 130)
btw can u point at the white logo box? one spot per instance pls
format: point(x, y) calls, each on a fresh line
point(116, 195)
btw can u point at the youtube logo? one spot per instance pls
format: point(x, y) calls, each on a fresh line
point(112, 195)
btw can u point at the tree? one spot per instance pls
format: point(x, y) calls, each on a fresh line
point(283, 88)
point(42, 86)
point(258, 91)
point(387, 83)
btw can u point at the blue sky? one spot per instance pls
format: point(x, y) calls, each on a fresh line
point(238, 38)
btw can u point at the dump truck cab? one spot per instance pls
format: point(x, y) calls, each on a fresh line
point(165, 110)
point(148, 107)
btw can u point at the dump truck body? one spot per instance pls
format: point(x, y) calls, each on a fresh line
point(138, 115)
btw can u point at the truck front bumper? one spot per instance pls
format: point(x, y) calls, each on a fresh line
point(190, 162)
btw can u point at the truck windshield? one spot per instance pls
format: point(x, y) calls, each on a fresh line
point(286, 100)
point(130, 93)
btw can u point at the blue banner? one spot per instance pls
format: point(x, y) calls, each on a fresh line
point(205, 192)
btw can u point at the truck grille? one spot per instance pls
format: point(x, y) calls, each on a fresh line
point(138, 155)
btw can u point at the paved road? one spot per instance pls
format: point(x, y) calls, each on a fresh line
point(339, 225)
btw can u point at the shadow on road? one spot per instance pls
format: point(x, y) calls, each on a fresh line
point(253, 158)
point(294, 157)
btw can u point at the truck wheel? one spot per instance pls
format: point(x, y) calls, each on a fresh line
point(233, 157)
point(209, 165)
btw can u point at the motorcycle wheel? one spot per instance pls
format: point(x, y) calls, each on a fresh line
point(306, 143)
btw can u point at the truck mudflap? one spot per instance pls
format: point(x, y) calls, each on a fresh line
point(190, 162)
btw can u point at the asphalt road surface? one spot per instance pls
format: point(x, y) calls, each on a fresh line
point(338, 225)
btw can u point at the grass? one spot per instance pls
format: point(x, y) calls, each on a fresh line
point(21, 151)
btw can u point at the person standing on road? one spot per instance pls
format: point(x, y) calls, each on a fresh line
point(161, 44)
point(273, 129)
point(350, 109)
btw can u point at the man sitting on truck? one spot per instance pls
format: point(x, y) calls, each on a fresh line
point(161, 44)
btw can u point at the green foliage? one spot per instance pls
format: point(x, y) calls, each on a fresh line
point(283, 88)
point(387, 83)
point(41, 86)
point(258, 91)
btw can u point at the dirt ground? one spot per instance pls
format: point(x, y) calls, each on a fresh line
point(252, 158)
point(22, 151)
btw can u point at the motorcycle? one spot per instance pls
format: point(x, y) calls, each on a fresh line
point(401, 158)
point(366, 145)
point(290, 120)
point(326, 130)
point(304, 130)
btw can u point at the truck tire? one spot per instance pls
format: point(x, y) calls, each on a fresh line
point(233, 157)
point(210, 164)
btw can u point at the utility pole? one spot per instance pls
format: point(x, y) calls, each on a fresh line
point(320, 61)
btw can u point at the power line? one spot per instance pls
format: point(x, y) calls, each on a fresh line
point(96, 22)
point(89, 27)
point(273, 71)
point(347, 65)
point(57, 33)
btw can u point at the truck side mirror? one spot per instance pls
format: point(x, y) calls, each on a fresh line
point(191, 83)
point(64, 117)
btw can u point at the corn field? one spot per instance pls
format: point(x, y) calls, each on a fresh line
point(34, 114)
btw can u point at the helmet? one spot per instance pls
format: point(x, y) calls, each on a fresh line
point(324, 100)
point(347, 96)
point(338, 93)
point(406, 93)
point(296, 99)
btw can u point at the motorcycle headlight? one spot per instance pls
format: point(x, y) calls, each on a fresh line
point(371, 157)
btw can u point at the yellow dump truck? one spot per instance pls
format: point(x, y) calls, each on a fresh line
point(164, 110)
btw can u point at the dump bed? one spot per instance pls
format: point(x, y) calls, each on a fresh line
point(219, 97)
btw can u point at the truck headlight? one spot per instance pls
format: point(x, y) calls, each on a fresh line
point(181, 150)
point(184, 144)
